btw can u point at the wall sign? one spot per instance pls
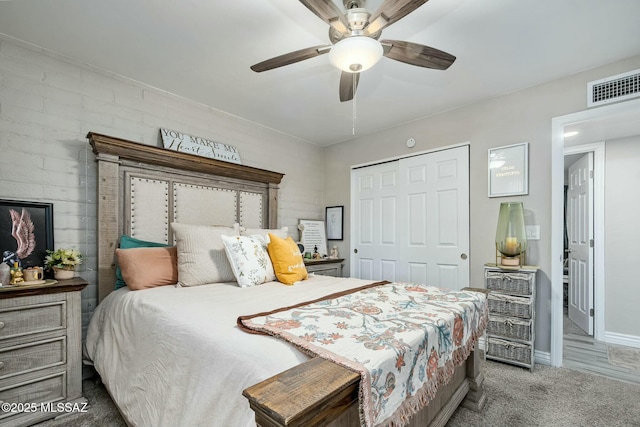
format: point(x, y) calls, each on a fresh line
point(312, 236)
point(184, 143)
point(509, 170)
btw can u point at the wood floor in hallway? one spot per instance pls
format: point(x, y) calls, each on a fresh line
point(581, 352)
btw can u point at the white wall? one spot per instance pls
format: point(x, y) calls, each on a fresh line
point(622, 204)
point(48, 104)
point(523, 116)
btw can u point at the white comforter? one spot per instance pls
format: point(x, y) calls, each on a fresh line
point(174, 356)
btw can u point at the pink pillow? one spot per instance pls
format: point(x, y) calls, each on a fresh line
point(144, 268)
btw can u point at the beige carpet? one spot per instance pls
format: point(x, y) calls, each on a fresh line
point(547, 397)
point(625, 357)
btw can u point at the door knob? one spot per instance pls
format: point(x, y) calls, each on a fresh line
point(463, 256)
point(355, 251)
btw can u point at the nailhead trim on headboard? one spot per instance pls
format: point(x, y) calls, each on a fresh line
point(149, 218)
point(121, 201)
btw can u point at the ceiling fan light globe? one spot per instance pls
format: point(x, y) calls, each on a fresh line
point(356, 54)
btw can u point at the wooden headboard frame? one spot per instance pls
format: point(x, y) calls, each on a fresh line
point(118, 159)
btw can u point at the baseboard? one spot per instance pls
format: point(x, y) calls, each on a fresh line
point(542, 357)
point(622, 339)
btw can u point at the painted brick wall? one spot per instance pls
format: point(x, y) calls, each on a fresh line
point(48, 104)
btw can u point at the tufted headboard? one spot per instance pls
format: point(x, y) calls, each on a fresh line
point(143, 189)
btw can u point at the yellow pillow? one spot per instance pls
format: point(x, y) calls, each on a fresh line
point(286, 259)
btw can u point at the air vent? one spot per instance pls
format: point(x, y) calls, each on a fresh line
point(613, 89)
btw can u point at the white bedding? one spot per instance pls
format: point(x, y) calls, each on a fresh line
point(174, 356)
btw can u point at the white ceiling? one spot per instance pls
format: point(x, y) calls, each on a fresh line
point(202, 50)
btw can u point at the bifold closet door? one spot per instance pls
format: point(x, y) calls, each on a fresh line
point(410, 220)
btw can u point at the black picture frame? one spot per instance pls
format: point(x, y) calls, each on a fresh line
point(41, 216)
point(334, 222)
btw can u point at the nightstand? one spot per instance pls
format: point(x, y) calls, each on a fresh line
point(325, 266)
point(512, 315)
point(40, 348)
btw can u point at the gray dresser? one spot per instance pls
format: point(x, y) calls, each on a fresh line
point(325, 267)
point(40, 351)
point(512, 300)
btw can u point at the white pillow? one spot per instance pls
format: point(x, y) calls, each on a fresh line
point(249, 259)
point(201, 257)
point(280, 232)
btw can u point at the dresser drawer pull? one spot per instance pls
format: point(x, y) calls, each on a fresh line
point(1, 365)
point(1, 325)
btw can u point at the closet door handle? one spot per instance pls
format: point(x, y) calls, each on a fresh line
point(355, 251)
point(463, 256)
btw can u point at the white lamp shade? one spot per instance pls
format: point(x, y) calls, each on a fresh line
point(356, 54)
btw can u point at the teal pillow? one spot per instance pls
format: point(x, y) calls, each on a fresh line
point(127, 242)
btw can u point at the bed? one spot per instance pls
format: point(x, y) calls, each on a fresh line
point(173, 355)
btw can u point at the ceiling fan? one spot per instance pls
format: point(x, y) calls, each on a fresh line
point(354, 36)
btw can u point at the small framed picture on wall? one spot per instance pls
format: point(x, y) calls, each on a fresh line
point(334, 217)
point(509, 170)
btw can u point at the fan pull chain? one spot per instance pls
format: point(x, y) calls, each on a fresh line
point(353, 129)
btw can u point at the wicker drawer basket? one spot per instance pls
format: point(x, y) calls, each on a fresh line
point(509, 350)
point(510, 305)
point(510, 327)
point(512, 282)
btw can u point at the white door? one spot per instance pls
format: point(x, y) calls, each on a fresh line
point(375, 207)
point(411, 220)
point(580, 233)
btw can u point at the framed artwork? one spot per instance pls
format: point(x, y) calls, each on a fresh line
point(26, 232)
point(334, 218)
point(509, 170)
point(313, 237)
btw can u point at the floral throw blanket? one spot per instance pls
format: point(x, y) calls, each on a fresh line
point(404, 339)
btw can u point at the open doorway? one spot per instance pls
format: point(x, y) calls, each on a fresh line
point(583, 255)
point(597, 124)
point(587, 344)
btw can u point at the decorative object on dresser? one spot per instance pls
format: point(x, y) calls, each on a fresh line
point(26, 232)
point(63, 262)
point(326, 267)
point(40, 349)
point(511, 235)
point(512, 302)
point(313, 237)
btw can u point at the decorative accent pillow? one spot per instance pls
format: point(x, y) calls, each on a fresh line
point(201, 257)
point(280, 232)
point(287, 260)
point(128, 242)
point(249, 259)
point(144, 268)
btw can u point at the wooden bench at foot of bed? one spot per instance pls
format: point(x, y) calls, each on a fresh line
point(320, 392)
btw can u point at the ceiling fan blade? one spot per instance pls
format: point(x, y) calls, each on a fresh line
point(417, 54)
point(348, 85)
point(290, 58)
point(329, 13)
point(389, 12)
